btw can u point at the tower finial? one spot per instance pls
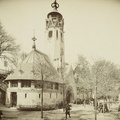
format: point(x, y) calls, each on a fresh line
point(34, 39)
point(55, 5)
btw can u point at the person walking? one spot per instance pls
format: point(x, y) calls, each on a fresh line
point(100, 107)
point(84, 102)
point(106, 107)
point(1, 113)
point(67, 112)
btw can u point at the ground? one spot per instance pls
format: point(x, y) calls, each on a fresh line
point(78, 112)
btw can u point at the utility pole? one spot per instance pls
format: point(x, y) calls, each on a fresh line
point(62, 74)
point(96, 99)
point(42, 95)
point(109, 98)
point(0, 46)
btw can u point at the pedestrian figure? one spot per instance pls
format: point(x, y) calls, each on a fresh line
point(105, 107)
point(100, 107)
point(118, 108)
point(1, 114)
point(84, 102)
point(67, 112)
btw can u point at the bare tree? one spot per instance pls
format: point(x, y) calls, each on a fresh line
point(106, 74)
point(22, 56)
point(8, 47)
point(83, 78)
point(82, 71)
point(44, 71)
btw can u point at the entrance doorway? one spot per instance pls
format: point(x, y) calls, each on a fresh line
point(69, 96)
point(13, 99)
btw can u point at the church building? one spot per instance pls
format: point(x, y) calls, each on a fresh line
point(43, 73)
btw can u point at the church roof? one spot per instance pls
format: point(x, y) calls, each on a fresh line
point(30, 68)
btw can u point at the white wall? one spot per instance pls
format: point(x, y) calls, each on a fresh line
point(32, 97)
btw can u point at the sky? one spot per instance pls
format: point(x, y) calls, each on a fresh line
point(92, 27)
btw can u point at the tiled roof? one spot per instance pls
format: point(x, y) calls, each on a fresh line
point(30, 68)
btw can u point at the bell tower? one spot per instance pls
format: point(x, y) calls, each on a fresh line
point(55, 37)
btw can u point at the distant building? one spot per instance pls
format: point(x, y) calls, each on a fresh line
point(25, 89)
point(6, 68)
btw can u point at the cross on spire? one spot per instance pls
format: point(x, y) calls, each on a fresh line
point(34, 39)
point(55, 5)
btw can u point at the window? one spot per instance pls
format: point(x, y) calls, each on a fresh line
point(49, 86)
point(26, 83)
point(38, 85)
point(56, 34)
point(14, 83)
point(56, 95)
point(61, 37)
point(5, 63)
point(50, 95)
point(54, 20)
point(56, 86)
point(25, 95)
point(39, 95)
point(50, 34)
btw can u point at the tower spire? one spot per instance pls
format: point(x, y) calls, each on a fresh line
point(55, 5)
point(55, 36)
point(34, 39)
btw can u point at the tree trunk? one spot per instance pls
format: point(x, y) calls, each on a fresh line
point(42, 98)
point(95, 102)
point(109, 102)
